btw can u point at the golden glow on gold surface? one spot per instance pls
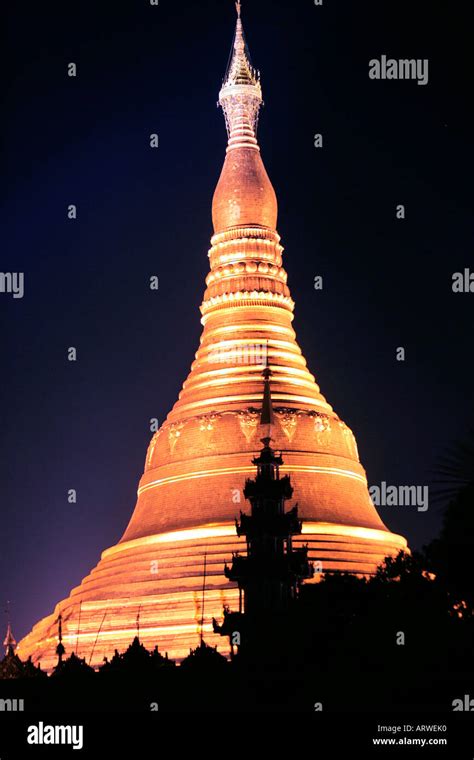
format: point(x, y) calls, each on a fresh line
point(225, 344)
point(241, 371)
point(276, 300)
point(149, 630)
point(216, 335)
point(248, 470)
point(171, 616)
point(240, 234)
point(228, 530)
point(190, 534)
point(163, 599)
point(247, 326)
point(230, 379)
point(249, 399)
point(224, 312)
point(332, 529)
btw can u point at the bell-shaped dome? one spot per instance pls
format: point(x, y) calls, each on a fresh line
point(244, 195)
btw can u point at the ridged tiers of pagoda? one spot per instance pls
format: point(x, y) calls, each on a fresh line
point(197, 462)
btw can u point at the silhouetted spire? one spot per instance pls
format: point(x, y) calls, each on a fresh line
point(60, 648)
point(267, 416)
point(10, 641)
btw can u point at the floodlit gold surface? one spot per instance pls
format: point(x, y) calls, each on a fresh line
point(196, 464)
point(169, 602)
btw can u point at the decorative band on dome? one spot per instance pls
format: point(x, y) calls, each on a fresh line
point(266, 234)
point(255, 298)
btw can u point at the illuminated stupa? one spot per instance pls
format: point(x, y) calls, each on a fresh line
point(197, 462)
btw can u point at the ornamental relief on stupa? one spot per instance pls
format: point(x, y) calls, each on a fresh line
point(327, 431)
point(174, 433)
point(349, 440)
point(288, 420)
point(207, 422)
point(248, 421)
point(322, 428)
point(152, 447)
point(207, 427)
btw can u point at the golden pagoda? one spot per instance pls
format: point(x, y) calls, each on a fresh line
point(197, 462)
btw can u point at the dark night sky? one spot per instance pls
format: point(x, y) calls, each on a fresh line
point(387, 283)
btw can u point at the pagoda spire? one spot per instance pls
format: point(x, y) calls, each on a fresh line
point(195, 457)
point(60, 650)
point(241, 94)
point(9, 642)
point(267, 416)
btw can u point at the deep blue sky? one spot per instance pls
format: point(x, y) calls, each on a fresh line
point(387, 283)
